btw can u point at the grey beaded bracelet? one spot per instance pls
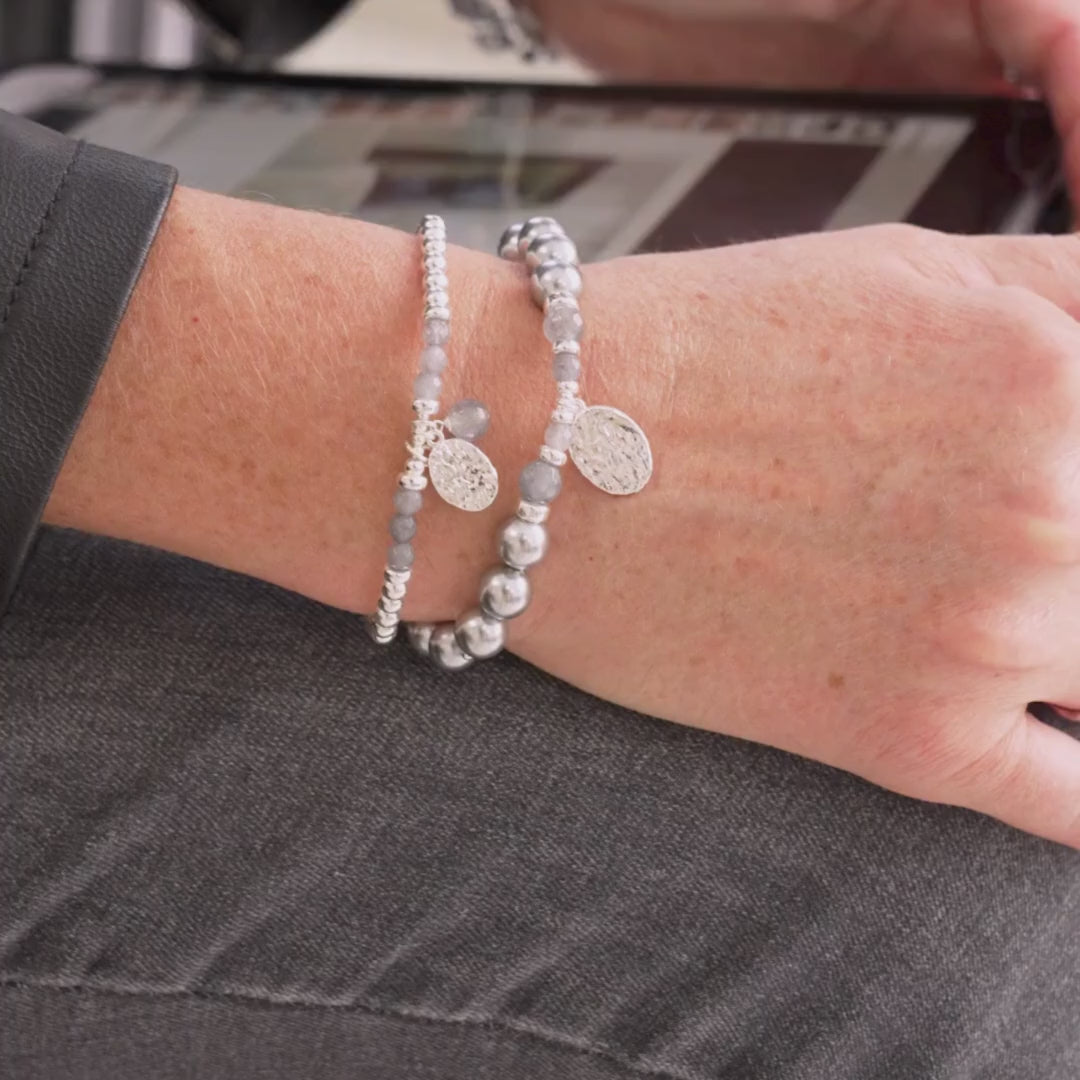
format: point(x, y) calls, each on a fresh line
point(459, 471)
point(607, 446)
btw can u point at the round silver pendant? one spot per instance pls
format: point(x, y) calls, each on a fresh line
point(611, 451)
point(463, 475)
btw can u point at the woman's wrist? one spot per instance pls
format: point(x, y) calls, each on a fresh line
point(254, 408)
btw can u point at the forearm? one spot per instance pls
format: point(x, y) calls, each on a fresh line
point(254, 409)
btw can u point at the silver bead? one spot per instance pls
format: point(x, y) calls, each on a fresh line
point(566, 348)
point(412, 482)
point(419, 635)
point(480, 635)
point(437, 279)
point(537, 513)
point(504, 593)
point(551, 278)
point(425, 408)
point(444, 649)
point(393, 590)
point(551, 247)
point(522, 544)
point(508, 242)
point(433, 316)
point(400, 577)
point(393, 606)
point(434, 262)
point(532, 228)
point(381, 635)
point(437, 298)
point(547, 453)
point(386, 619)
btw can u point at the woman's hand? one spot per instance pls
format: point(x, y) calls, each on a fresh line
point(961, 46)
point(862, 543)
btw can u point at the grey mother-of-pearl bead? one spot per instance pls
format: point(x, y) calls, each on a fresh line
point(522, 543)
point(400, 556)
point(505, 593)
point(479, 634)
point(436, 331)
point(408, 502)
point(444, 650)
point(402, 528)
point(551, 278)
point(540, 482)
point(468, 419)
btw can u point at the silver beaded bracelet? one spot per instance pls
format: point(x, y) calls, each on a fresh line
point(460, 471)
point(607, 447)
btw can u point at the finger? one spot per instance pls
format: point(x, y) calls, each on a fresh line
point(1040, 39)
point(1029, 779)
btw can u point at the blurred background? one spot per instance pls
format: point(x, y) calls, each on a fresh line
point(464, 39)
point(221, 90)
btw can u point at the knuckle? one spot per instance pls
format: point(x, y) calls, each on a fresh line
point(933, 256)
point(999, 635)
point(1033, 352)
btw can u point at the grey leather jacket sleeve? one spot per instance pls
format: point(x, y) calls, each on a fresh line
point(76, 223)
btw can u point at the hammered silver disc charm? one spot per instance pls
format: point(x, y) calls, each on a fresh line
point(611, 451)
point(462, 474)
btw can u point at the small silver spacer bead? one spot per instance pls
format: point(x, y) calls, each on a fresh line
point(379, 634)
point(564, 414)
point(437, 299)
point(553, 456)
point(437, 279)
point(412, 481)
point(393, 606)
point(434, 262)
point(442, 313)
point(396, 577)
point(425, 408)
point(387, 619)
point(533, 513)
point(566, 348)
point(568, 389)
point(415, 465)
point(394, 590)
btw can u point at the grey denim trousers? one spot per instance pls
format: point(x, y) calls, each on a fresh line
point(239, 841)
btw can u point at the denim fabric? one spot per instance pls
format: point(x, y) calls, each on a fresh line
point(238, 841)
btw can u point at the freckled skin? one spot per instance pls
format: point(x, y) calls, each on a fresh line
point(874, 562)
